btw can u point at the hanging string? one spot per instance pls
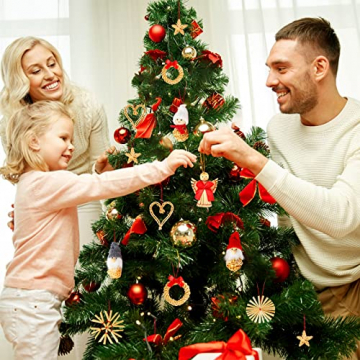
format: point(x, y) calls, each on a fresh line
point(161, 194)
point(202, 162)
point(178, 9)
point(178, 266)
point(304, 323)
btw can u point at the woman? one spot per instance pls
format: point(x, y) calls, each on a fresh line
point(32, 70)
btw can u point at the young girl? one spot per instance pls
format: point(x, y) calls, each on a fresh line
point(46, 240)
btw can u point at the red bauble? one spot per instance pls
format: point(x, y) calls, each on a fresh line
point(91, 286)
point(146, 17)
point(157, 33)
point(281, 267)
point(137, 294)
point(73, 299)
point(122, 135)
point(234, 174)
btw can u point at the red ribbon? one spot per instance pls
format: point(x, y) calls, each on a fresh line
point(236, 348)
point(248, 193)
point(175, 105)
point(204, 186)
point(172, 329)
point(156, 54)
point(181, 128)
point(214, 222)
point(175, 281)
point(145, 127)
point(169, 64)
point(137, 227)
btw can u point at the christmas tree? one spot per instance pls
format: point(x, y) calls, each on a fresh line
point(194, 258)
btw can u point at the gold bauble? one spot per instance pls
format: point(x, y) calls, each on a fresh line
point(189, 53)
point(183, 233)
point(166, 143)
point(203, 127)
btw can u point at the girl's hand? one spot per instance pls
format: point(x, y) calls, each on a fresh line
point(180, 158)
point(102, 163)
point(11, 223)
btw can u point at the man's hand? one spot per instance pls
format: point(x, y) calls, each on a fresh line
point(102, 163)
point(225, 143)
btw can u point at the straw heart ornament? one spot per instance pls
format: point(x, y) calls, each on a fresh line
point(161, 211)
point(135, 112)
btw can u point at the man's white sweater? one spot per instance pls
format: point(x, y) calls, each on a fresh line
point(315, 177)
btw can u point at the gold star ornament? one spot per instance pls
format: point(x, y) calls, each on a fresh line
point(304, 339)
point(179, 28)
point(110, 326)
point(132, 156)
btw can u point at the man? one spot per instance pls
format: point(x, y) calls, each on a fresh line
point(314, 173)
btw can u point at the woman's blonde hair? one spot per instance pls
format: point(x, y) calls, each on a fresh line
point(31, 121)
point(15, 93)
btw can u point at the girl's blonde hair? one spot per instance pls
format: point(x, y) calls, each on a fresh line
point(15, 93)
point(31, 121)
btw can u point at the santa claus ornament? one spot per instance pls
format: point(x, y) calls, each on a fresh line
point(114, 261)
point(180, 120)
point(234, 253)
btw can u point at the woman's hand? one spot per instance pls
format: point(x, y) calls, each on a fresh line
point(102, 162)
point(11, 223)
point(179, 158)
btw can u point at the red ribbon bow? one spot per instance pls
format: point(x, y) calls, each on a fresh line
point(169, 64)
point(248, 193)
point(204, 186)
point(181, 128)
point(172, 329)
point(214, 222)
point(175, 281)
point(236, 348)
point(137, 227)
point(145, 127)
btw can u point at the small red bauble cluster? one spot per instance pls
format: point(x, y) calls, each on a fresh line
point(137, 294)
point(281, 267)
point(91, 286)
point(73, 299)
point(122, 135)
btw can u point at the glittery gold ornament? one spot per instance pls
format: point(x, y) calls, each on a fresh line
point(260, 310)
point(180, 282)
point(183, 233)
point(112, 213)
point(203, 127)
point(161, 211)
point(189, 52)
point(304, 339)
point(176, 66)
point(234, 265)
point(135, 113)
point(109, 326)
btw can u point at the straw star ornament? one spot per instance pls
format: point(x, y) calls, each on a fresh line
point(179, 27)
point(304, 339)
point(110, 327)
point(132, 156)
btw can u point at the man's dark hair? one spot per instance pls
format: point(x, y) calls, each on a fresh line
point(316, 32)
